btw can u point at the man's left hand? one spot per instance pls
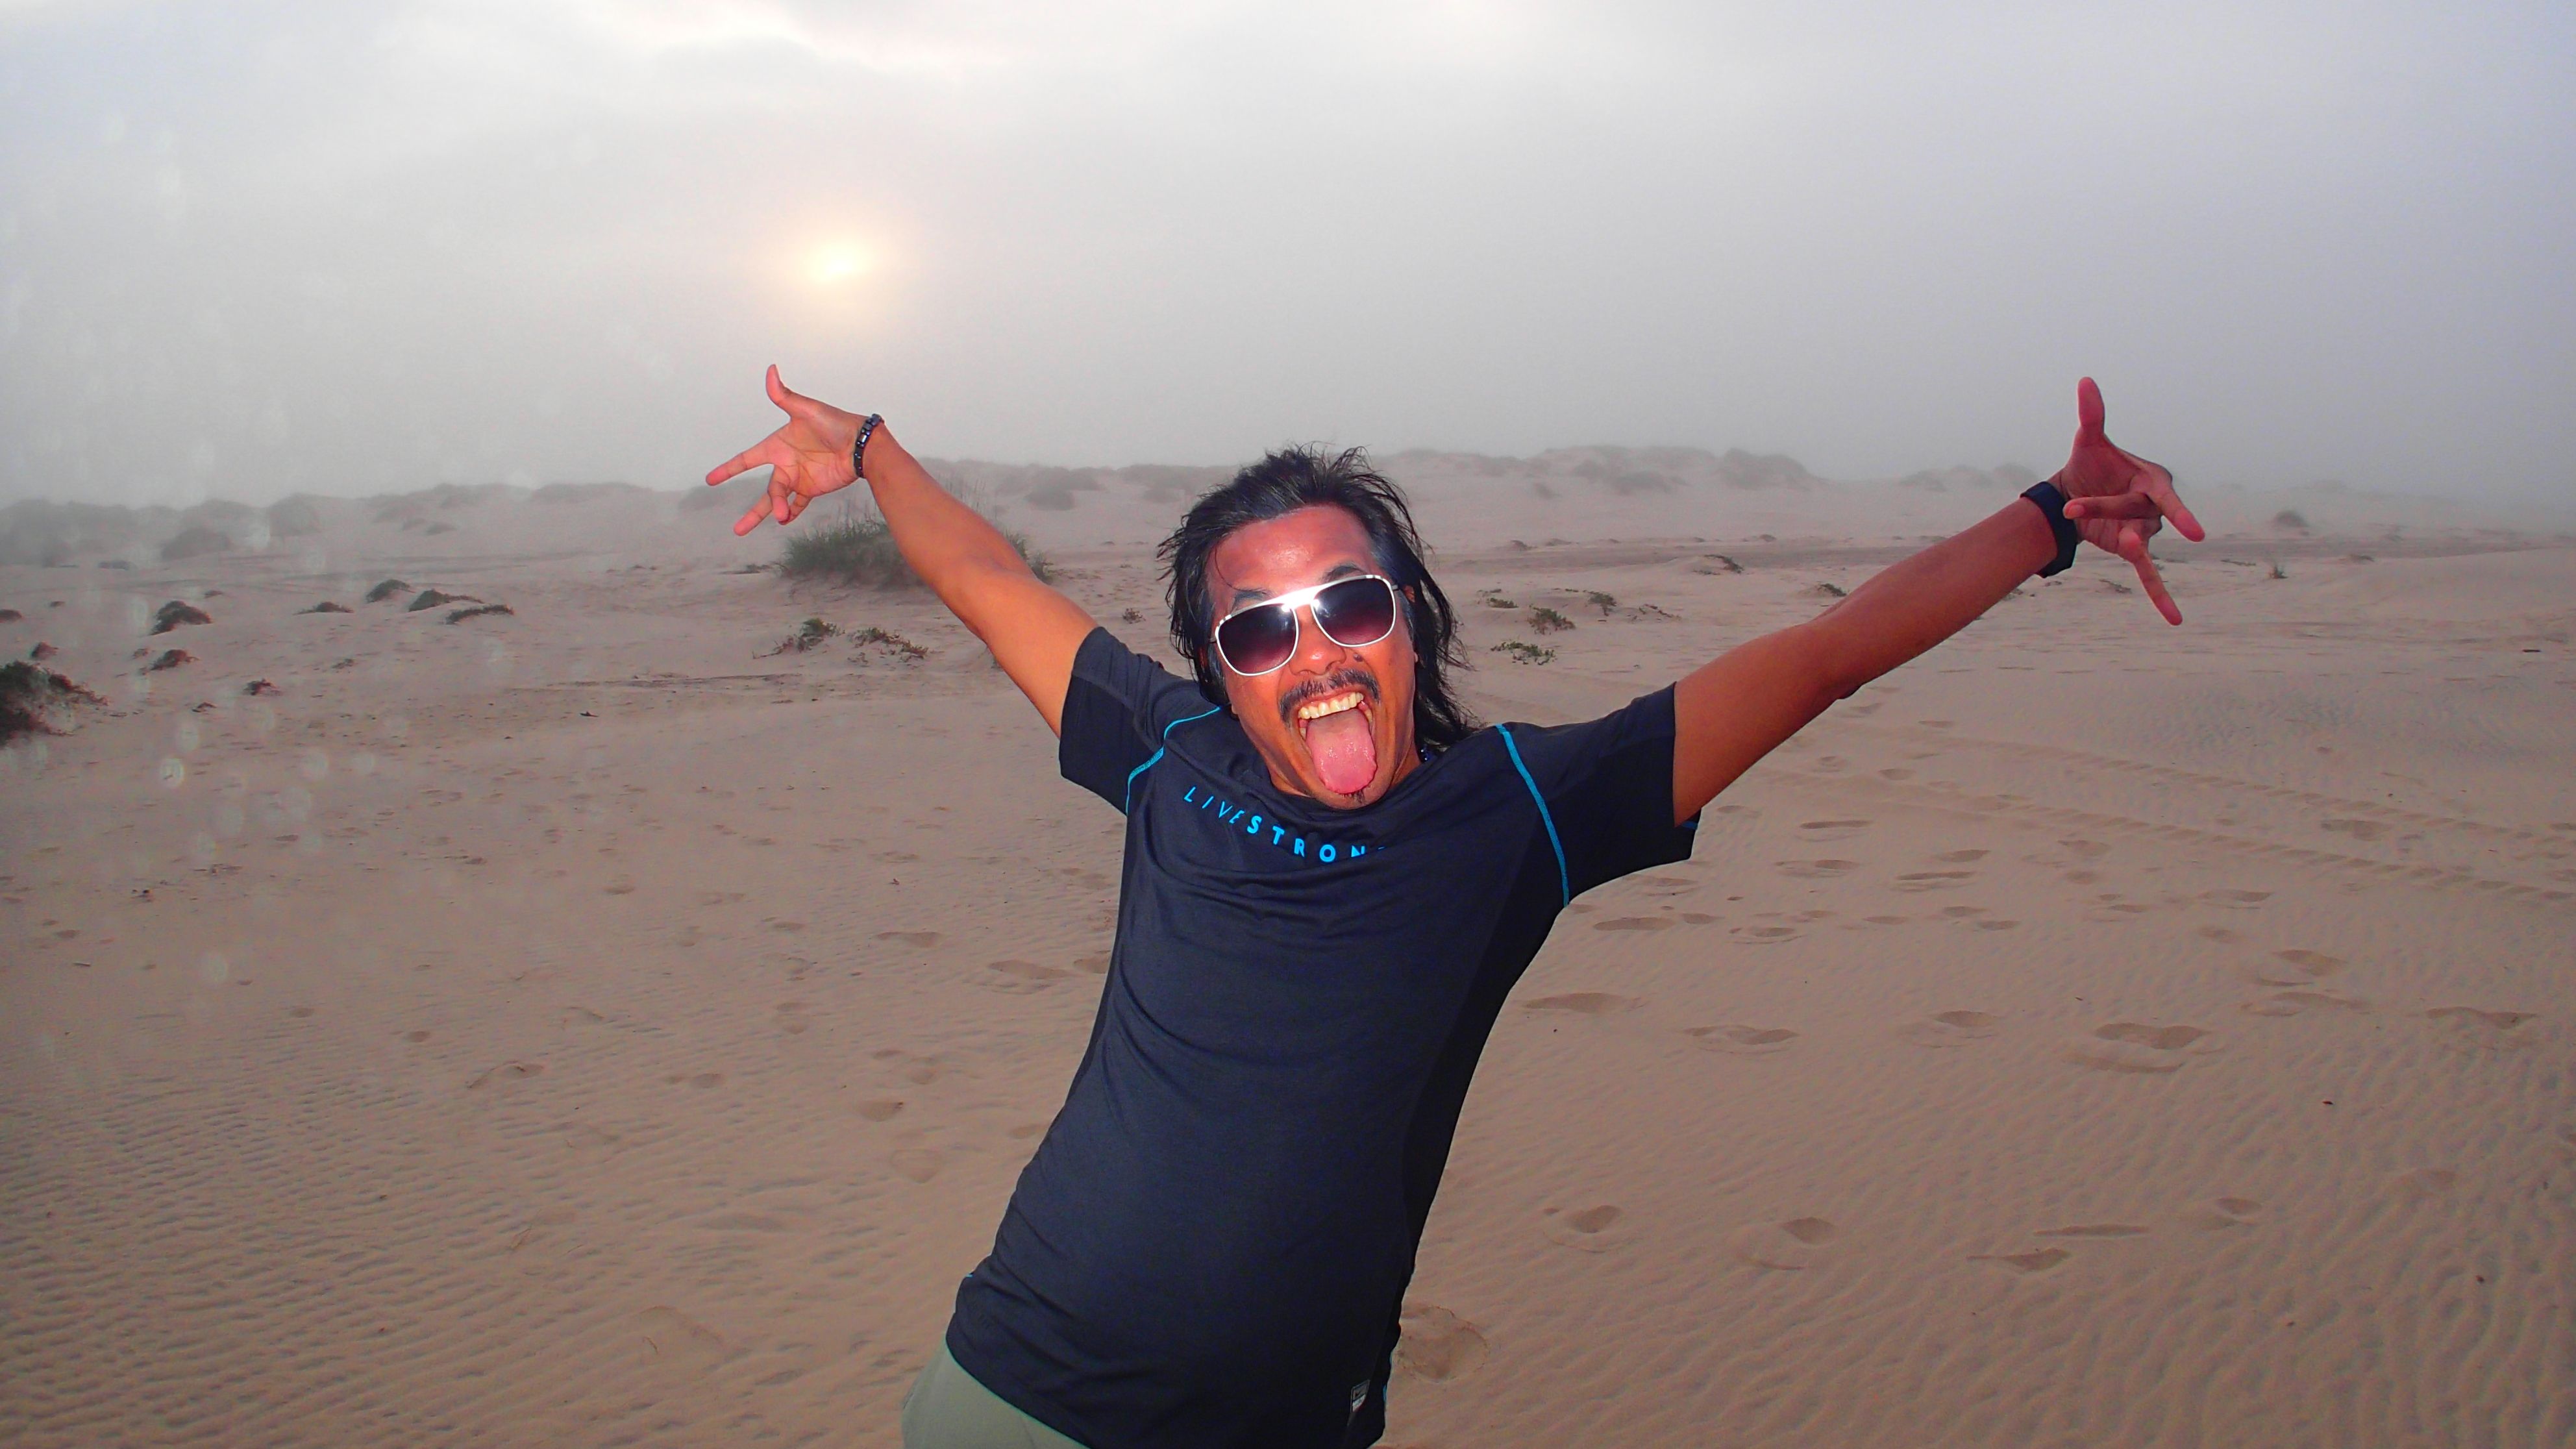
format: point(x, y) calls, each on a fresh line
point(2119, 500)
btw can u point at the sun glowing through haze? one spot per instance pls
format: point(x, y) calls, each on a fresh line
point(837, 264)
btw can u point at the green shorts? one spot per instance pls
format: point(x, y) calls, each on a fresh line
point(948, 1409)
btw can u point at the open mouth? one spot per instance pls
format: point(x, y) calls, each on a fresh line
point(1340, 736)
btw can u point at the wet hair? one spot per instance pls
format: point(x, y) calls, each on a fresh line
point(1282, 483)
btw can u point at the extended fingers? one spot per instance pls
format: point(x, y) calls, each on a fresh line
point(2160, 486)
point(2112, 505)
point(2088, 411)
point(742, 462)
point(2133, 547)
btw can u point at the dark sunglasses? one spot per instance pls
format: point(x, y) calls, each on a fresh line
point(1354, 613)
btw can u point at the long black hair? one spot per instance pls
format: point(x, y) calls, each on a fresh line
point(1284, 482)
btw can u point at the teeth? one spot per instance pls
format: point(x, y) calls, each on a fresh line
point(1315, 709)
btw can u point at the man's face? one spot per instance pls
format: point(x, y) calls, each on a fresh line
point(1334, 723)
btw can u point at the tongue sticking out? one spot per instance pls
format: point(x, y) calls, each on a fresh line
point(1344, 750)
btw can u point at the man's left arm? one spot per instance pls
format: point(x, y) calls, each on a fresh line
point(1745, 703)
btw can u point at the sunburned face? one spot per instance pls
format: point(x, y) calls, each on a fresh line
point(1335, 723)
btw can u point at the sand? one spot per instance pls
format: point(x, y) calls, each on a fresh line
point(581, 1026)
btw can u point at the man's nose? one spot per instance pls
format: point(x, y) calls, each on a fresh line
point(1316, 651)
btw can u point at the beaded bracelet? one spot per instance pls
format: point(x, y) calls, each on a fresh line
point(867, 429)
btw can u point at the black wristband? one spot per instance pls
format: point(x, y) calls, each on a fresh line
point(2053, 504)
point(859, 449)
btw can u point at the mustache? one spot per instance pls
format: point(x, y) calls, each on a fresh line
point(1351, 677)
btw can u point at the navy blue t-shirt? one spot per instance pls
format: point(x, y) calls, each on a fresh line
point(1211, 1246)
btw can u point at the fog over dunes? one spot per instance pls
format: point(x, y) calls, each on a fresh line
point(247, 251)
point(1461, 499)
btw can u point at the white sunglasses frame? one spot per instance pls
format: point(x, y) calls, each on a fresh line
point(1300, 604)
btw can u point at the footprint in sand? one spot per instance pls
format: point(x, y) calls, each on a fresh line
point(1698, 918)
point(1438, 1345)
point(1817, 869)
point(2094, 1230)
point(1095, 964)
point(1019, 978)
point(1595, 1229)
point(703, 1081)
point(1824, 830)
point(920, 1071)
point(506, 1074)
point(1582, 1003)
point(1766, 935)
point(1961, 857)
point(1789, 1247)
point(2475, 1031)
point(2358, 829)
point(1743, 1041)
point(790, 1018)
point(2129, 1046)
point(2312, 963)
point(2423, 1182)
point(1634, 923)
point(2086, 849)
point(2220, 934)
point(910, 938)
point(880, 1109)
point(1949, 1028)
point(671, 1341)
point(416, 1035)
point(2291, 1003)
point(1934, 880)
point(919, 1164)
point(1897, 773)
point(589, 1141)
point(2236, 900)
point(2220, 1214)
point(2025, 1265)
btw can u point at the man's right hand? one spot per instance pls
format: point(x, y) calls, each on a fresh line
point(807, 457)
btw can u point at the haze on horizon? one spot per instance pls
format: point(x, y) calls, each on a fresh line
point(261, 248)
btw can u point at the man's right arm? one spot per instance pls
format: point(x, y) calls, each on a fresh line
point(1033, 630)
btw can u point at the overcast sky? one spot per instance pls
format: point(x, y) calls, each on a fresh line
point(252, 248)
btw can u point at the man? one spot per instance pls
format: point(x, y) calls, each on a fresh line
point(1332, 878)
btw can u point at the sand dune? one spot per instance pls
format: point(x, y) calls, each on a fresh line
point(586, 1025)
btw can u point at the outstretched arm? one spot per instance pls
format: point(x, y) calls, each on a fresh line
point(1742, 705)
point(1033, 630)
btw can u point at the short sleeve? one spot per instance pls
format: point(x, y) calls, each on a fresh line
point(1607, 785)
point(1116, 710)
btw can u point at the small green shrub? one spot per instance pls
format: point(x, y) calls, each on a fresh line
point(1601, 601)
point(895, 645)
point(1524, 653)
point(858, 548)
point(1544, 620)
point(808, 635)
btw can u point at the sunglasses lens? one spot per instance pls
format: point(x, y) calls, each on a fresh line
point(1356, 612)
point(1258, 640)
